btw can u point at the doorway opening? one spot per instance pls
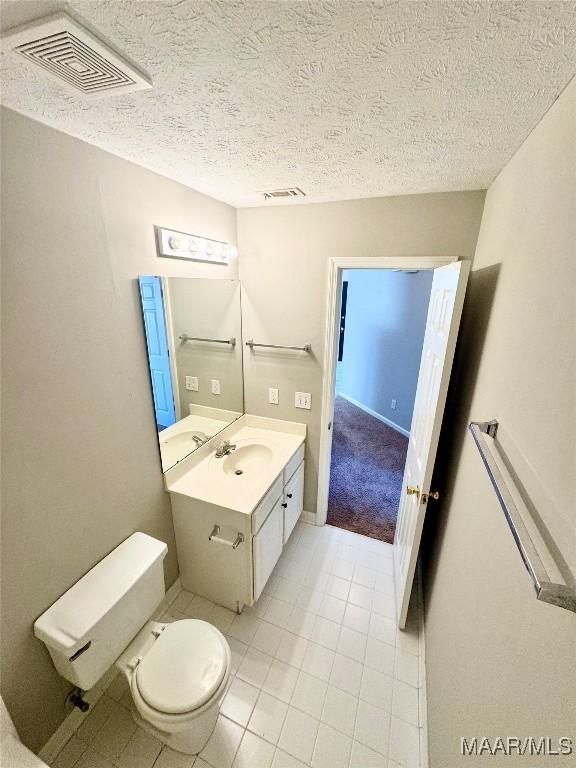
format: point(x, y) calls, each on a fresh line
point(382, 323)
point(446, 298)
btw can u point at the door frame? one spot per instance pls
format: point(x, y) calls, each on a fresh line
point(336, 265)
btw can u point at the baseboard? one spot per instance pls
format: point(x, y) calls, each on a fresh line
point(172, 592)
point(309, 517)
point(376, 415)
point(74, 720)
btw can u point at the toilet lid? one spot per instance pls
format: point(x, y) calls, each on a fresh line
point(184, 667)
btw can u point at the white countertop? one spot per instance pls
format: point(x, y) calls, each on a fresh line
point(206, 481)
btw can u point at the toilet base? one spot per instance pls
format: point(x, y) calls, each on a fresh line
point(192, 738)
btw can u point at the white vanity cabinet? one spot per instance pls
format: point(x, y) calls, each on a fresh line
point(293, 501)
point(274, 526)
point(267, 547)
point(226, 555)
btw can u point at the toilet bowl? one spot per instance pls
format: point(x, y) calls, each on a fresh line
point(177, 672)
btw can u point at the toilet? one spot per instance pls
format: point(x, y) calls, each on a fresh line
point(177, 672)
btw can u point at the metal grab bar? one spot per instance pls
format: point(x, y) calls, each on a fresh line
point(484, 434)
point(185, 337)
point(215, 536)
point(305, 348)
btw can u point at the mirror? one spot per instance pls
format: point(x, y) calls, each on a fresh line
point(193, 333)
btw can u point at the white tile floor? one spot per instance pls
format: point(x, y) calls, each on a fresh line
point(320, 677)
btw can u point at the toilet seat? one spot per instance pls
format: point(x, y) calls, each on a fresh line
point(183, 670)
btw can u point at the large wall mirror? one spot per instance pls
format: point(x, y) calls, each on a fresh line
point(194, 341)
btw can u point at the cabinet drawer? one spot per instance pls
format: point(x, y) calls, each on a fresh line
point(267, 548)
point(262, 510)
point(293, 501)
point(293, 464)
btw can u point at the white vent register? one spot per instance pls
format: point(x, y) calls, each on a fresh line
point(69, 52)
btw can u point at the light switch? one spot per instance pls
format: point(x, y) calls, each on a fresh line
point(215, 386)
point(393, 405)
point(303, 400)
point(192, 383)
point(272, 395)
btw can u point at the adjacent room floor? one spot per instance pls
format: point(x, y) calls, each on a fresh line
point(366, 473)
point(321, 677)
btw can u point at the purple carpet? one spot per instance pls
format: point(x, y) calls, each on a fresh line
point(366, 473)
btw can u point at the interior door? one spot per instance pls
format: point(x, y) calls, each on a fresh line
point(444, 312)
point(157, 344)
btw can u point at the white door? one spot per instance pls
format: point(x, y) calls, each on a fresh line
point(444, 311)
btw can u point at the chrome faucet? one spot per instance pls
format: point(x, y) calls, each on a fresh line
point(198, 440)
point(224, 449)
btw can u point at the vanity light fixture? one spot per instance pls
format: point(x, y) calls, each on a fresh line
point(179, 245)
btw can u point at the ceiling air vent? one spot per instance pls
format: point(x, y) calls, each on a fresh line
point(69, 52)
point(290, 192)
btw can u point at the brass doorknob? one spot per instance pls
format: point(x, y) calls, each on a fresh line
point(432, 495)
point(412, 491)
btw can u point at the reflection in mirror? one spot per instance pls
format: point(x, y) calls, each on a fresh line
point(194, 340)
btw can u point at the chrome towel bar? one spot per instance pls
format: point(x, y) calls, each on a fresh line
point(215, 536)
point(305, 348)
point(185, 337)
point(484, 434)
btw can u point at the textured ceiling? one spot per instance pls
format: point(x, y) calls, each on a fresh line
point(344, 99)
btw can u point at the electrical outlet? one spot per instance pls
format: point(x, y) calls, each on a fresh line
point(303, 400)
point(192, 383)
point(272, 396)
point(215, 386)
point(393, 405)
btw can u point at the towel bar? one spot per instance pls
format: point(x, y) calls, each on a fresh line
point(484, 434)
point(252, 344)
point(185, 337)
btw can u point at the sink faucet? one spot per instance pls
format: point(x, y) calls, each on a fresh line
point(198, 440)
point(224, 449)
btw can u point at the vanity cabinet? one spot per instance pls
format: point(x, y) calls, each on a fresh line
point(279, 523)
point(226, 555)
point(267, 547)
point(293, 501)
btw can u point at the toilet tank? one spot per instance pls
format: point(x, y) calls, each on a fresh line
point(87, 628)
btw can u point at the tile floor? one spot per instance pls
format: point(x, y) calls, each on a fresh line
point(320, 675)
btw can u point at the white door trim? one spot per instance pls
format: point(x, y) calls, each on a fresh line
point(336, 264)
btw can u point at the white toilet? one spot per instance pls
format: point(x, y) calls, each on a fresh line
point(177, 672)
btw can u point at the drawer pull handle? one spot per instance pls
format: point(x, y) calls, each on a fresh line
point(284, 505)
point(288, 495)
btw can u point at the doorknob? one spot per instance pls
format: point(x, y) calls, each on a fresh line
point(412, 491)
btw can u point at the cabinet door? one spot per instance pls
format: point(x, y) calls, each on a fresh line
point(267, 548)
point(293, 501)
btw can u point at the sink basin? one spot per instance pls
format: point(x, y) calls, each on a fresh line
point(184, 440)
point(246, 459)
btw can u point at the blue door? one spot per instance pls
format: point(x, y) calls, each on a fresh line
point(157, 343)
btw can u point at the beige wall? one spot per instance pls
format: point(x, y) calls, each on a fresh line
point(81, 469)
point(499, 662)
point(207, 309)
point(284, 272)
